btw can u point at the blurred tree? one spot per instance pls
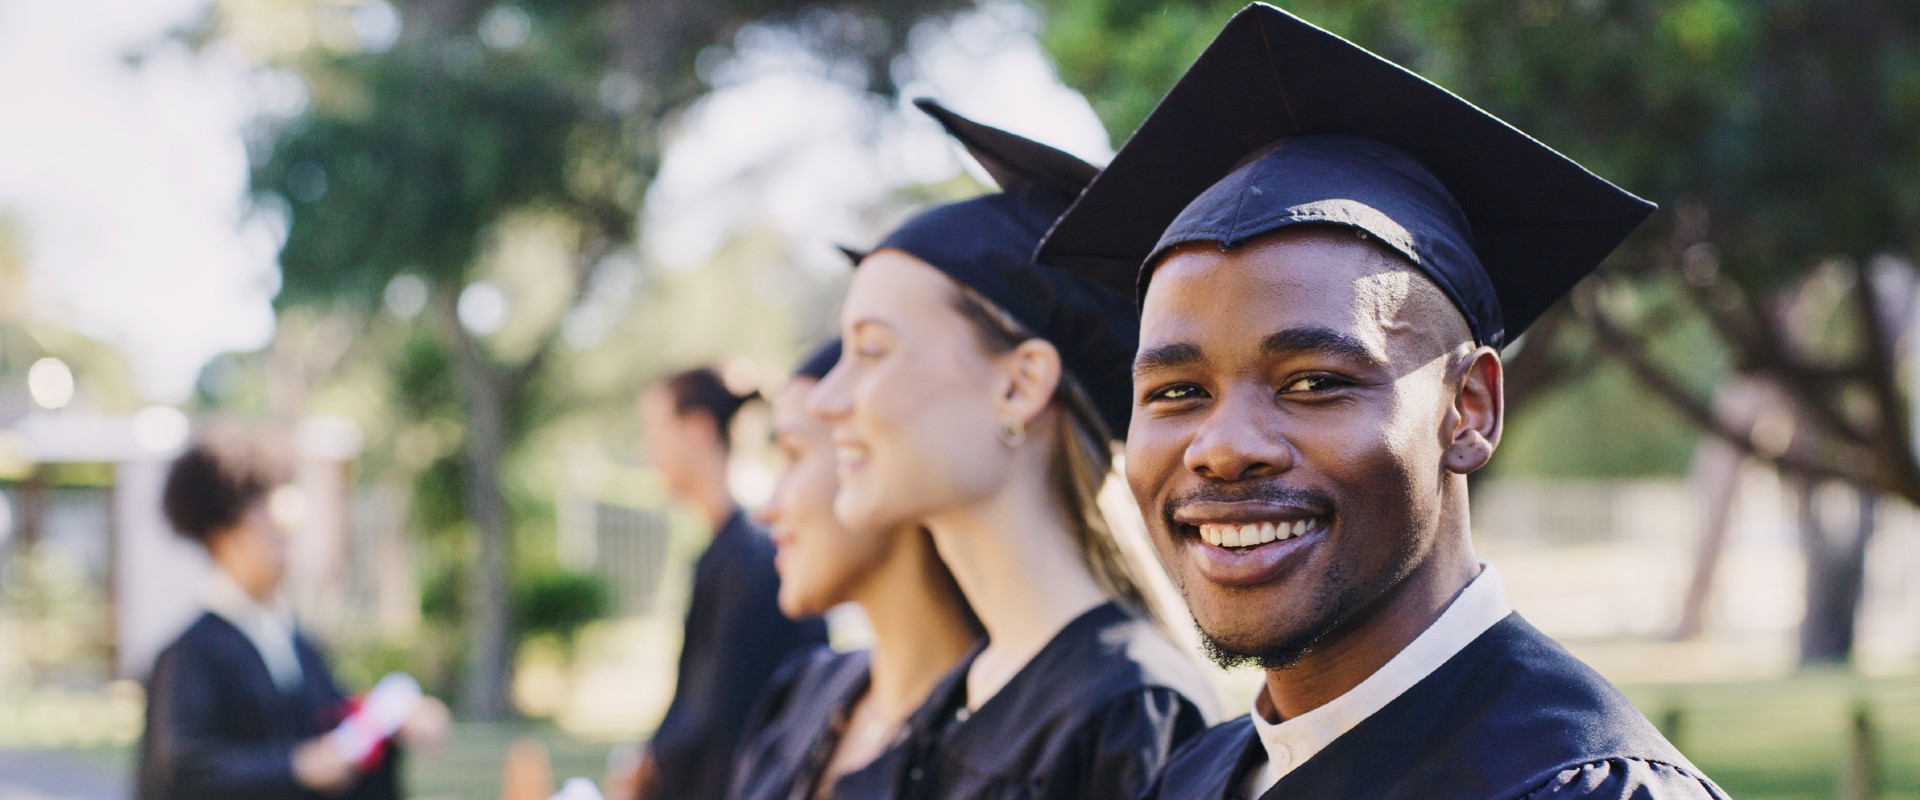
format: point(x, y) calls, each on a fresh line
point(1782, 138)
point(31, 328)
point(438, 133)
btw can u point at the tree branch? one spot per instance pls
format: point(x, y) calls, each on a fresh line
point(1895, 440)
point(1633, 353)
point(1762, 348)
point(1539, 365)
point(596, 244)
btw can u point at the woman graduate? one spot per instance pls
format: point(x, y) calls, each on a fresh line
point(735, 635)
point(978, 397)
point(240, 705)
point(827, 725)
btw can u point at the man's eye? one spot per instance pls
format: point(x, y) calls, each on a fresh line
point(1313, 383)
point(1177, 393)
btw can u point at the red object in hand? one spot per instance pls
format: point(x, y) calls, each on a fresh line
point(373, 718)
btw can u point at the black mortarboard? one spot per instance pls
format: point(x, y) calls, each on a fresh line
point(819, 362)
point(1504, 225)
point(986, 244)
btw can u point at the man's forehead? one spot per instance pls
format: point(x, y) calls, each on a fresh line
point(1318, 278)
point(1295, 282)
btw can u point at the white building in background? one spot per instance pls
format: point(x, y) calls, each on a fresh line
point(349, 570)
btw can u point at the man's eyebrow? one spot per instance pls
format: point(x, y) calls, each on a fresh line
point(1319, 341)
point(1165, 356)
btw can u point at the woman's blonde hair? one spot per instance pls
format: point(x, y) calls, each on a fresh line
point(1081, 463)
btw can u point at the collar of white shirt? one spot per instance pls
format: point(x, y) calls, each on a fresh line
point(1291, 742)
point(269, 629)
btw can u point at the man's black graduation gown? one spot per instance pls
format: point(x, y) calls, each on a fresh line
point(735, 638)
point(219, 729)
point(1094, 715)
point(797, 725)
point(1513, 715)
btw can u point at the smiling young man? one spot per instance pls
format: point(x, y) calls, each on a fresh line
point(1333, 250)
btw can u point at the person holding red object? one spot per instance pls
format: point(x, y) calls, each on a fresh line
point(242, 705)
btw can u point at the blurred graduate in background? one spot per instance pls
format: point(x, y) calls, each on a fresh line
point(978, 397)
point(735, 634)
point(242, 704)
point(828, 725)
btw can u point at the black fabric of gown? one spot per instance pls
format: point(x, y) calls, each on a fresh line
point(1513, 715)
point(217, 727)
point(798, 724)
point(735, 638)
point(1095, 714)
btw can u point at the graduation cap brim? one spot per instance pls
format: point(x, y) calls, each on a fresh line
point(820, 361)
point(1539, 221)
point(854, 255)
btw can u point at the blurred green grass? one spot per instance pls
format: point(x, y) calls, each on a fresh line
point(1787, 738)
point(469, 763)
point(1780, 739)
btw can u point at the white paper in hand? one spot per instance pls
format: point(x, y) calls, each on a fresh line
point(385, 709)
point(579, 789)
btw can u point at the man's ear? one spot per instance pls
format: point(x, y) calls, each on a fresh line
point(1031, 371)
point(1478, 412)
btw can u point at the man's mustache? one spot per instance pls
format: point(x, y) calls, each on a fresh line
point(1272, 492)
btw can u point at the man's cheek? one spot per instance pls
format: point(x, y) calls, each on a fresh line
point(1147, 468)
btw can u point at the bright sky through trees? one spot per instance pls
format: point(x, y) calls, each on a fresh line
point(125, 163)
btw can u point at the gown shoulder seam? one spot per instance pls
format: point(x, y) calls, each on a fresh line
point(1543, 781)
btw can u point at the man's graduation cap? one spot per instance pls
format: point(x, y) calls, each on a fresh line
point(1280, 123)
point(986, 244)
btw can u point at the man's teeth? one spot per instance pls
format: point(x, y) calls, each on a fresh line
point(1252, 534)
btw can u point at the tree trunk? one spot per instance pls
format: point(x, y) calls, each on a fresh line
point(489, 662)
point(1836, 564)
point(1717, 469)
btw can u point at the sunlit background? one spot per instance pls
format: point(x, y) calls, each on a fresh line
point(341, 221)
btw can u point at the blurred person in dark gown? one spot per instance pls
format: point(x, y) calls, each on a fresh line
point(828, 725)
point(978, 396)
point(240, 705)
point(735, 634)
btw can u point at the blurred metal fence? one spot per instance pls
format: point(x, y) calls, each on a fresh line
point(626, 547)
point(1596, 559)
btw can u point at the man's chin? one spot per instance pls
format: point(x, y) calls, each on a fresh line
point(1268, 650)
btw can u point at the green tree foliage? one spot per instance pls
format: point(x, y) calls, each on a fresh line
point(31, 330)
point(484, 119)
point(558, 603)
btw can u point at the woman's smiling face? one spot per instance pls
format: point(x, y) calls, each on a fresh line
point(912, 402)
point(821, 562)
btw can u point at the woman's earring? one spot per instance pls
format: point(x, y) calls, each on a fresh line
point(1013, 432)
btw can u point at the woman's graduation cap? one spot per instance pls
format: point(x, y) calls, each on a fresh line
point(819, 362)
point(986, 244)
point(1280, 123)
